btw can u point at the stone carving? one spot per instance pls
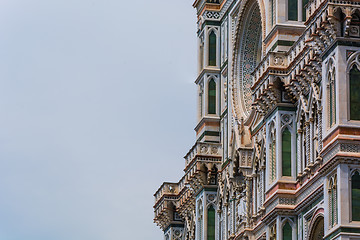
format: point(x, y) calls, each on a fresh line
point(279, 61)
point(282, 87)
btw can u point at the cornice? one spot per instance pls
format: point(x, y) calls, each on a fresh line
point(206, 119)
point(205, 71)
point(282, 26)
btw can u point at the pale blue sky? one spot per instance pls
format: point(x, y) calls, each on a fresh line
point(97, 109)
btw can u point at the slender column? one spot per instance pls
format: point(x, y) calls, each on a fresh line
point(299, 152)
point(248, 200)
point(307, 145)
point(320, 131)
point(311, 143)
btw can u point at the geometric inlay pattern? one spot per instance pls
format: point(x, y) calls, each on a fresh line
point(250, 54)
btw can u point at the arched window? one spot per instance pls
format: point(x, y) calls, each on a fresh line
point(287, 231)
point(286, 152)
point(332, 97)
point(292, 10)
point(211, 223)
point(333, 201)
point(212, 97)
point(355, 196)
point(354, 93)
point(272, 153)
point(212, 49)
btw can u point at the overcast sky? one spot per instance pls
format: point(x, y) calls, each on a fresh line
point(97, 109)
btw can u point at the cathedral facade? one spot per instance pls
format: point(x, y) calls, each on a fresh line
point(277, 147)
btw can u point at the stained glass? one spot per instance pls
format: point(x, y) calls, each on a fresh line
point(286, 153)
point(211, 224)
point(354, 93)
point(212, 97)
point(212, 49)
point(304, 2)
point(292, 10)
point(287, 231)
point(355, 196)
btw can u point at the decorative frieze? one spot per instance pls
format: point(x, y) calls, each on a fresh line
point(204, 151)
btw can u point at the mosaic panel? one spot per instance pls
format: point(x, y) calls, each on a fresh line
point(346, 147)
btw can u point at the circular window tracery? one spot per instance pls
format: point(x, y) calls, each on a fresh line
point(317, 231)
point(248, 55)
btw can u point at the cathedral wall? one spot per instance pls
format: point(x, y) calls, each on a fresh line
point(283, 119)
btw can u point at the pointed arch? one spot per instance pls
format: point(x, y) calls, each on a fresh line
point(212, 48)
point(212, 97)
point(211, 223)
point(286, 152)
point(353, 82)
point(287, 231)
point(354, 87)
point(340, 16)
point(355, 196)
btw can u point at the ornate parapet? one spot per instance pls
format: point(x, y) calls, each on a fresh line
point(174, 201)
point(165, 200)
point(202, 164)
point(312, 8)
point(209, 152)
point(272, 61)
point(166, 203)
point(166, 189)
point(298, 69)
